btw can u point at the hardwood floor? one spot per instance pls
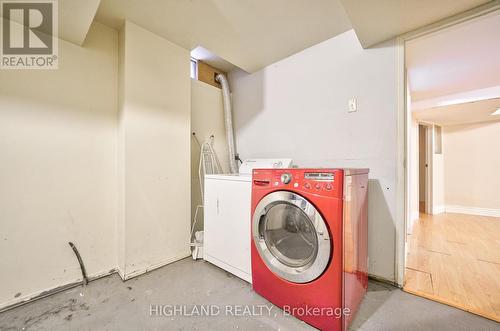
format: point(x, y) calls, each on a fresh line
point(455, 259)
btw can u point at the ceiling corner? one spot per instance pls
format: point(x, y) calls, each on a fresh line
point(75, 19)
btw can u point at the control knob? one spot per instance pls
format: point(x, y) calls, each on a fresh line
point(286, 178)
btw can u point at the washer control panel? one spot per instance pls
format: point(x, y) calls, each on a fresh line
point(323, 176)
point(286, 178)
point(316, 181)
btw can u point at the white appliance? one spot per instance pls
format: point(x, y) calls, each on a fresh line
point(227, 211)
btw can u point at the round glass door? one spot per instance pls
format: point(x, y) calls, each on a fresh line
point(291, 237)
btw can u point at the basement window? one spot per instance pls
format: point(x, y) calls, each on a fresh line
point(194, 68)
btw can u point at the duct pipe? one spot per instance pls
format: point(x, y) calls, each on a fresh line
point(228, 118)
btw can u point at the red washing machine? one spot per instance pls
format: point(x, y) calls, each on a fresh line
point(309, 242)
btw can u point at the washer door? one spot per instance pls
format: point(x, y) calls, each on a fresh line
point(291, 237)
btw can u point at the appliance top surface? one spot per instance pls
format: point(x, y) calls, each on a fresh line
point(347, 171)
point(250, 164)
point(231, 177)
point(356, 171)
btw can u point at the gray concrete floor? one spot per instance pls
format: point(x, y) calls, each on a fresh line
point(110, 304)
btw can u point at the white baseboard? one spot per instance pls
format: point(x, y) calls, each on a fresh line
point(139, 272)
point(438, 210)
point(49, 291)
point(473, 211)
point(53, 290)
point(121, 273)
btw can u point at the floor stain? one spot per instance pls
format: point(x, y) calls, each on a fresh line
point(69, 306)
point(33, 320)
point(84, 306)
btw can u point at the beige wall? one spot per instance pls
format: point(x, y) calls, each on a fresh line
point(154, 151)
point(471, 165)
point(58, 163)
point(97, 153)
point(207, 118)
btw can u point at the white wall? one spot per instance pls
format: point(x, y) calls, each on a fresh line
point(437, 178)
point(414, 185)
point(471, 164)
point(207, 118)
point(297, 108)
point(155, 151)
point(58, 163)
point(413, 164)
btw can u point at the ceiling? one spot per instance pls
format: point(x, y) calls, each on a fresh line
point(75, 18)
point(203, 54)
point(457, 98)
point(380, 20)
point(473, 112)
point(462, 58)
point(454, 74)
point(250, 34)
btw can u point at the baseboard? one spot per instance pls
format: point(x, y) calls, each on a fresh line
point(473, 211)
point(383, 280)
point(163, 263)
point(438, 210)
point(121, 273)
point(51, 291)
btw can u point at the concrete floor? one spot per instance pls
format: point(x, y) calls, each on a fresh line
point(110, 304)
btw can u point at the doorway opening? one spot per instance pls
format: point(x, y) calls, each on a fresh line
point(452, 252)
point(425, 168)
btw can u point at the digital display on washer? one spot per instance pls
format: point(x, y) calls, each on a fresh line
point(324, 176)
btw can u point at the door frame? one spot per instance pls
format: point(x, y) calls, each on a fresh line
point(429, 159)
point(404, 124)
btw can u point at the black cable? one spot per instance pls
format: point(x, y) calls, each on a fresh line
point(80, 261)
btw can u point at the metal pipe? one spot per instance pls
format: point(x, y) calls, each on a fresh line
point(228, 118)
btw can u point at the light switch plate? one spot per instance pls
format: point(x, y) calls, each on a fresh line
point(353, 105)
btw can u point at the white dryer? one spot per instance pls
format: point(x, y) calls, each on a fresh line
point(227, 211)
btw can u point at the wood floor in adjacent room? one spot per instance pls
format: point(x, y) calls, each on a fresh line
point(455, 259)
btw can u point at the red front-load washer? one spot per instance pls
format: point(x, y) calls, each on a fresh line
point(309, 242)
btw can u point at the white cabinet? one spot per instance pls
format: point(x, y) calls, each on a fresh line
point(227, 223)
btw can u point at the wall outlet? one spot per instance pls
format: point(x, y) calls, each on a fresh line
point(353, 105)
